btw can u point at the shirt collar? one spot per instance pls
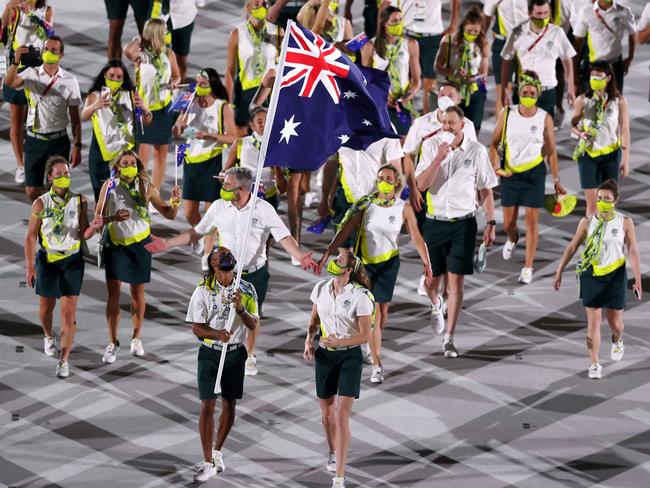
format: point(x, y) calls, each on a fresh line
point(346, 289)
point(597, 7)
point(42, 72)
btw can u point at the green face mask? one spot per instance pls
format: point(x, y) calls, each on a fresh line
point(604, 206)
point(259, 13)
point(528, 102)
point(129, 171)
point(112, 84)
point(50, 58)
point(470, 37)
point(334, 269)
point(540, 22)
point(395, 30)
point(61, 182)
point(202, 91)
point(385, 188)
point(227, 195)
point(597, 84)
point(334, 6)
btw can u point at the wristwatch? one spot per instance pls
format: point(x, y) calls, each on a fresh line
point(492, 222)
point(78, 144)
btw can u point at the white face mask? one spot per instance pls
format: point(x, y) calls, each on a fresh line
point(444, 103)
point(447, 137)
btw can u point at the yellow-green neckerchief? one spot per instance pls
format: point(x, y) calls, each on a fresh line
point(122, 125)
point(138, 199)
point(258, 54)
point(591, 252)
point(593, 127)
point(56, 212)
point(159, 66)
point(464, 63)
point(392, 51)
point(362, 204)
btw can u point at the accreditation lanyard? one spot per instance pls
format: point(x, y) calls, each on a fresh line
point(604, 22)
point(539, 38)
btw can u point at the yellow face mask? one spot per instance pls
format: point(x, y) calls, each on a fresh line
point(385, 188)
point(259, 13)
point(129, 171)
point(51, 58)
point(168, 38)
point(113, 84)
point(528, 102)
point(202, 91)
point(395, 30)
point(597, 84)
point(470, 37)
point(540, 22)
point(604, 206)
point(61, 182)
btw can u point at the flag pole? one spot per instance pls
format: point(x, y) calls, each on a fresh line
point(258, 176)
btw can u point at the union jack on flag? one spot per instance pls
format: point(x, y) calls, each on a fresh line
point(320, 101)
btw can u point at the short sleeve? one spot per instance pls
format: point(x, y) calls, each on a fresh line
point(274, 223)
point(628, 21)
point(197, 310)
point(644, 20)
point(249, 298)
point(580, 25)
point(393, 150)
point(490, 7)
point(508, 51)
point(28, 76)
point(566, 49)
point(74, 98)
point(485, 177)
point(429, 148)
point(365, 306)
point(315, 293)
point(469, 130)
point(208, 223)
point(412, 140)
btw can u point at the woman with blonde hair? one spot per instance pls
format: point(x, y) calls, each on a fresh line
point(157, 75)
point(123, 203)
point(378, 219)
point(253, 47)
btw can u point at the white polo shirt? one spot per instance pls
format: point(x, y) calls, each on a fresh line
point(644, 20)
point(538, 55)
point(230, 222)
point(49, 113)
point(338, 314)
point(453, 192)
point(508, 13)
point(182, 13)
point(421, 16)
point(210, 304)
point(359, 168)
point(426, 126)
point(605, 30)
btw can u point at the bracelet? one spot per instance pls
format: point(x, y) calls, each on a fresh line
point(173, 204)
point(492, 222)
point(556, 179)
point(241, 311)
point(78, 144)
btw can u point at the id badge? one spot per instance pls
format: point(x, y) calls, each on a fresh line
point(420, 11)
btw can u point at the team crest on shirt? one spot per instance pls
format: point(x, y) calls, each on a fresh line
point(347, 303)
point(392, 219)
point(255, 220)
point(614, 232)
point(533, 129)
point(467, 163)
point(549, 44)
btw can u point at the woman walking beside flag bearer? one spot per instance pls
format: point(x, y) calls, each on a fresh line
point(157, 75)
point(111, 104)
point(124, 201)
point(378, 219)
point(208, 125)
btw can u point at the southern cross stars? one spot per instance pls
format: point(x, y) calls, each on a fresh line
point(289, 129)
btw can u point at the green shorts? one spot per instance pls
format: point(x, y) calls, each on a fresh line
point(37, 152)
point(608, 291)
point(61, 278)
point(97, 168)
point(181, 40)
point(428, 48)
point(340, 207)
point(199, 183)
point(232, 379)
point(594, 171)
point(242, 101)
point(129, 264)
point(451, 245)
point(338, 372)
point(11, 95)
point(260, 281)
point(497, 61)
point(383, 277)
point(160, 130)
point(117, 10)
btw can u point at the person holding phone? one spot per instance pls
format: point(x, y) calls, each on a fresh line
point(110, 104)
point(602, 271)
point(59, 223)
point(54, 100)
point(23, 31)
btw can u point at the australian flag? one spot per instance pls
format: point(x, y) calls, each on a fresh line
point(323, 101)
point(182, 99)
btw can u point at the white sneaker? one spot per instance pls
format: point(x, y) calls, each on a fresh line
point(338, 482)
point(437, 317)
point(595, 371)
point(295, 261)
point(205, 472)
point(49, 346)
point(200, 3)
point(444, 308)
point(204, 263)
point(217, 459)
point(198, 247)
point(448, 347)
point(508, 249)
point(251, 366)
point(422, 291)
point(136, 348)
point(20, 175)
point(331, 462)
point(526, 276)
point(377, 375)
point(62, 369)
point(368, 357)
point(111, 353)
point(617, 350)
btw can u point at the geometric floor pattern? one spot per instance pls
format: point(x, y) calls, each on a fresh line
point(514, 410)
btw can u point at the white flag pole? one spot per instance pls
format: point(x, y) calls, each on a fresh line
point(258, 176)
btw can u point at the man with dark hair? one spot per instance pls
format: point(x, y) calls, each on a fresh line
point(453, 169)
point(536, 45)
point(55, 101)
